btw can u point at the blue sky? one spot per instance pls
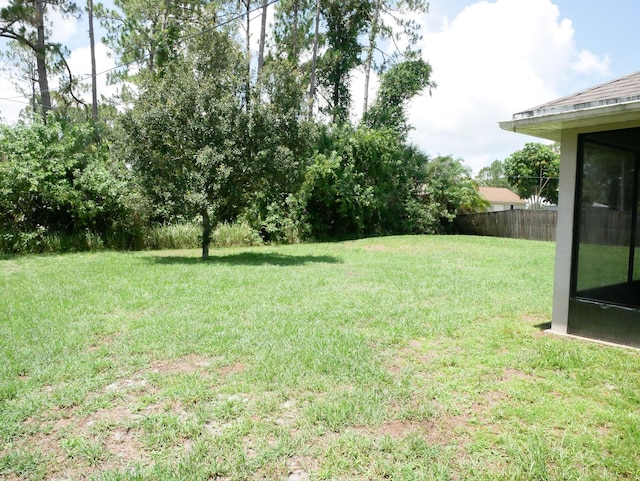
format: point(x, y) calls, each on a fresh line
point(494, 58)
point(608, 28)
point(490, 59)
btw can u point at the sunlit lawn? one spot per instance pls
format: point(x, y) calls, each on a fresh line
point(405, 358)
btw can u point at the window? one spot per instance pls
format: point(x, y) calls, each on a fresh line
point(605, 267)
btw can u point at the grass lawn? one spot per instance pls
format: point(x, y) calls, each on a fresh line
point(404, 358)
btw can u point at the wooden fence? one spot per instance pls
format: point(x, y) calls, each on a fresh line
point(517, 224)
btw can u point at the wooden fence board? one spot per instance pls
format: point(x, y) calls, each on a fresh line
point(517, 224)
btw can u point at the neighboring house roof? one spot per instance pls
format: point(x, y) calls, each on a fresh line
point(500, 195)
point(616, 101)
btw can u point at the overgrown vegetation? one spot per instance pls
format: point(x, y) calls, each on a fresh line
point(314, 361)
point(205, 138)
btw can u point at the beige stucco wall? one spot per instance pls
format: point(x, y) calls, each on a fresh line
point(564, 233)
point(566, 201)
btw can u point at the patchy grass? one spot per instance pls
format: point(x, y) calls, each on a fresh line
point(405, 358)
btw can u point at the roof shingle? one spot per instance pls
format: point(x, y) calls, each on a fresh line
point(624, 89)
point(500, 195)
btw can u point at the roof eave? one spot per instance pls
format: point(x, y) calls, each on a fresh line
point(550, 125)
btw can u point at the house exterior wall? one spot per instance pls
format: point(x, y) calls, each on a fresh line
point(564, 233)
point(495, 207)
point(564, 246)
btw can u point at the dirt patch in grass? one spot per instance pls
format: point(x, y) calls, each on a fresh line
point(394, 429)
point(411, 354)
point(10, 267)
point(102, 341)
point(510, 373)
point(444, 429)
point(380, 248)
point(299, 467)
point(289, 413)
point(190, 364)
point(105, 437)
point(231, 369)
point(77, 445)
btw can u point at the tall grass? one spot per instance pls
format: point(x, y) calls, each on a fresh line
point(238, 234)
point(186, 235)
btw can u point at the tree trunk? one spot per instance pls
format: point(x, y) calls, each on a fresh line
point(263, 36)
point(367, 66)
point(206, 234)
point(294, 30)
point(314, 62)
point(247, 85)
point(94, 87)
point(43, 82)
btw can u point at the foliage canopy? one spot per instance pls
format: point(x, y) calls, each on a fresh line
point(198, 135)
point(534, 171)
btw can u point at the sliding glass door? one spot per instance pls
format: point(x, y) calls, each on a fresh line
point(606, 267)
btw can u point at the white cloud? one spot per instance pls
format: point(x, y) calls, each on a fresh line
point(80, 64)
point(64, 27)
point(589, 63)
point(11, 103)
point(492, 60)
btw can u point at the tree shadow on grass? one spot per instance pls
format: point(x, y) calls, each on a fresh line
point(248, 259)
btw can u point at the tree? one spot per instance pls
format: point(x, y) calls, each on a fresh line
point(263, 35)
point(293, 30)
point(147, 35)
point(183, 131)
point(397, 87)
point(280, 141)
point(449, 189)
point(94, 88)
point(24, 21)
point(345, 22)
point(199, 152)
point(399, 11)
point(534, 171)
point(493, 175)
point(368, 182)
point(314, 58)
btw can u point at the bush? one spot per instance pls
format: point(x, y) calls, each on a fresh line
point(279, 222)
point(61, 191)
point(364, 182)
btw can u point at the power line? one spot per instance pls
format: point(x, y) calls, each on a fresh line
point(13, 99)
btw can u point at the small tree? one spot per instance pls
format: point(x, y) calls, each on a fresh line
point(183, 135)
point(534, 171)
point(493, 175)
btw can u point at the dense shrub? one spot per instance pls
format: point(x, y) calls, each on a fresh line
point(365, 182)
point(60, 191)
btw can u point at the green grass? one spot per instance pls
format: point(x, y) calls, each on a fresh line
point(405, 358)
